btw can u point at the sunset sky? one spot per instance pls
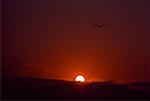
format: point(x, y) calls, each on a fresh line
point(56, 39)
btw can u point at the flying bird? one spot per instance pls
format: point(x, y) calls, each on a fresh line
point(99, 25)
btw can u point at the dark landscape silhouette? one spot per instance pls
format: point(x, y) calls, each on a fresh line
point(37, 88)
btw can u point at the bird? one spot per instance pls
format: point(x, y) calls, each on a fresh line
point(99, 25)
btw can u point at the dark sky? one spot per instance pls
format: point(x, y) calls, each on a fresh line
point(56, 39)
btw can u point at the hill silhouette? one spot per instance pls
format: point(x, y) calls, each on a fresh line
point(36, 88)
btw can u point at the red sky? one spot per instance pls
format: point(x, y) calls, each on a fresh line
point(56, 39)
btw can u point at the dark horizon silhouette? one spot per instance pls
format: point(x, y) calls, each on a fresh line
point(15, 88)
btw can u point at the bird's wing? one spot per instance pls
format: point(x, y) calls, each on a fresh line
point(95, 25)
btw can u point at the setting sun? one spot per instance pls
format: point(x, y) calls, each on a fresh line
point(80, 78)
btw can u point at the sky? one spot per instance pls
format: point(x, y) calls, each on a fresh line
point(56, 39)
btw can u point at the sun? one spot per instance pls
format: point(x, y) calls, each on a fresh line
point(80, 78)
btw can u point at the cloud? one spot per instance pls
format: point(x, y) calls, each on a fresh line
point(36, 67)
point(32, 70)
